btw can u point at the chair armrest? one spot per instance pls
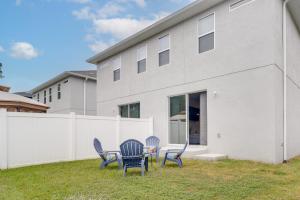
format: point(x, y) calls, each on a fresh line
point(174, 150)
point(112, 151)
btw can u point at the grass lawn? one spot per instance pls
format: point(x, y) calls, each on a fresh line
point(83, 180)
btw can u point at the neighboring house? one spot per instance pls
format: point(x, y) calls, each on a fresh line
point(24, 94)
point(212, 73)
point(17, 103)
point(71, 91)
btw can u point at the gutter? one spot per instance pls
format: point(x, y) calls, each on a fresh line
point(285, 157)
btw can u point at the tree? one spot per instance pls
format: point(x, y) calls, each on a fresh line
point(1, 72)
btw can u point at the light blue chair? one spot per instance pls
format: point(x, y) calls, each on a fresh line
point(174, 155)
point(133, 155)
point(153, 141)
point(107, 157)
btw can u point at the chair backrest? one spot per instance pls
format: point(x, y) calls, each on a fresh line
point(182, 151)
point(98, 148)
point(131, 148)
point(152, 141)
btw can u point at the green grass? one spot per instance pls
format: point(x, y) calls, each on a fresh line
point(82, 180)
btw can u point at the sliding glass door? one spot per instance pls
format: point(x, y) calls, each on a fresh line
point(177, 120)
point(188, 119)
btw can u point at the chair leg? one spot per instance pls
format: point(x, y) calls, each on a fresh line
point(120, 164)
point(143, 169)
point(179, 162)
point(103, 165)
point(124, 171)
point(157, 158)
point(164, 161)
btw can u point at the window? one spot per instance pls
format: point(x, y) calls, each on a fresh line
point(164, 50)
point(58, 92)
point(130, 110)
point(38, 97)
point(45, 96)
point(117, 74)
point(141, 59)
point(238, 3)
point(206, 33)
point(116, 69)
point(50, 94)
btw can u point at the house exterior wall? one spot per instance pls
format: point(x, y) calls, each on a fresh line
point(293, 89)
point(77, 96)
point(242, 77)
point(71, 96)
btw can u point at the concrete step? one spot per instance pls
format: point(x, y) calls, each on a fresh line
point(210, 157)
point(190, 151)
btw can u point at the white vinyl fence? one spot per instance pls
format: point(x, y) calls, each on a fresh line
point(30, 138)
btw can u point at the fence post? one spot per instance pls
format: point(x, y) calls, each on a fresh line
point(3, 139)
point(118, 120)
point(72, 136)
point(151, 126)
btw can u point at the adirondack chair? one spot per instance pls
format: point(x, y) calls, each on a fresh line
point(107, 157)
point(133, 155)
point(153, 142)
point(174, 155)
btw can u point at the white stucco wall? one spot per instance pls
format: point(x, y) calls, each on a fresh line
point(293, 89)
point(244, 69)
point(72, 96)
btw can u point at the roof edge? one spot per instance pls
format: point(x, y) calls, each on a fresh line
point(162, 24)
point(59, 78)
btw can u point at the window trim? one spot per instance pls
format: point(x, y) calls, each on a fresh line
point(128, 106)
point(137, 57)
point(160, 51)
point(209, 32)
point(238, 1)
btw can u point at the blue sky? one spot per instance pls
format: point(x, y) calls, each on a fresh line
point(42, 38)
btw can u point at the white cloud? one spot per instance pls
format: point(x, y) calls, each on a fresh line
point(23, 50)
point(18, 2)
point(1, 49)
point(80, 1)
point(99, 46)
point(120, 27)
point(84, 13)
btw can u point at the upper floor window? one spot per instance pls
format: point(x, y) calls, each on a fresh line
point(141, 59)
point(164, 50)
point(130, 110)
point(117, 69)
point(45, 96)
point(58, 91)
point(50, 94)
point(206, 33)
point(38, 96)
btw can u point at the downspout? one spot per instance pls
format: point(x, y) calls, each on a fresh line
point(284, 82)
point(84, 96)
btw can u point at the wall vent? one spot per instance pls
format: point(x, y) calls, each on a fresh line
point(234, 4)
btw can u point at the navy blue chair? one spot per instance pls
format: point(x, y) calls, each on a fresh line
point(133, 155)
point(174, 155)
point(153, 142)
point(107, 157)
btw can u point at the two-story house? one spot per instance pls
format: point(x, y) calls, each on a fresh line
point(71, 91)
point(224, 74)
